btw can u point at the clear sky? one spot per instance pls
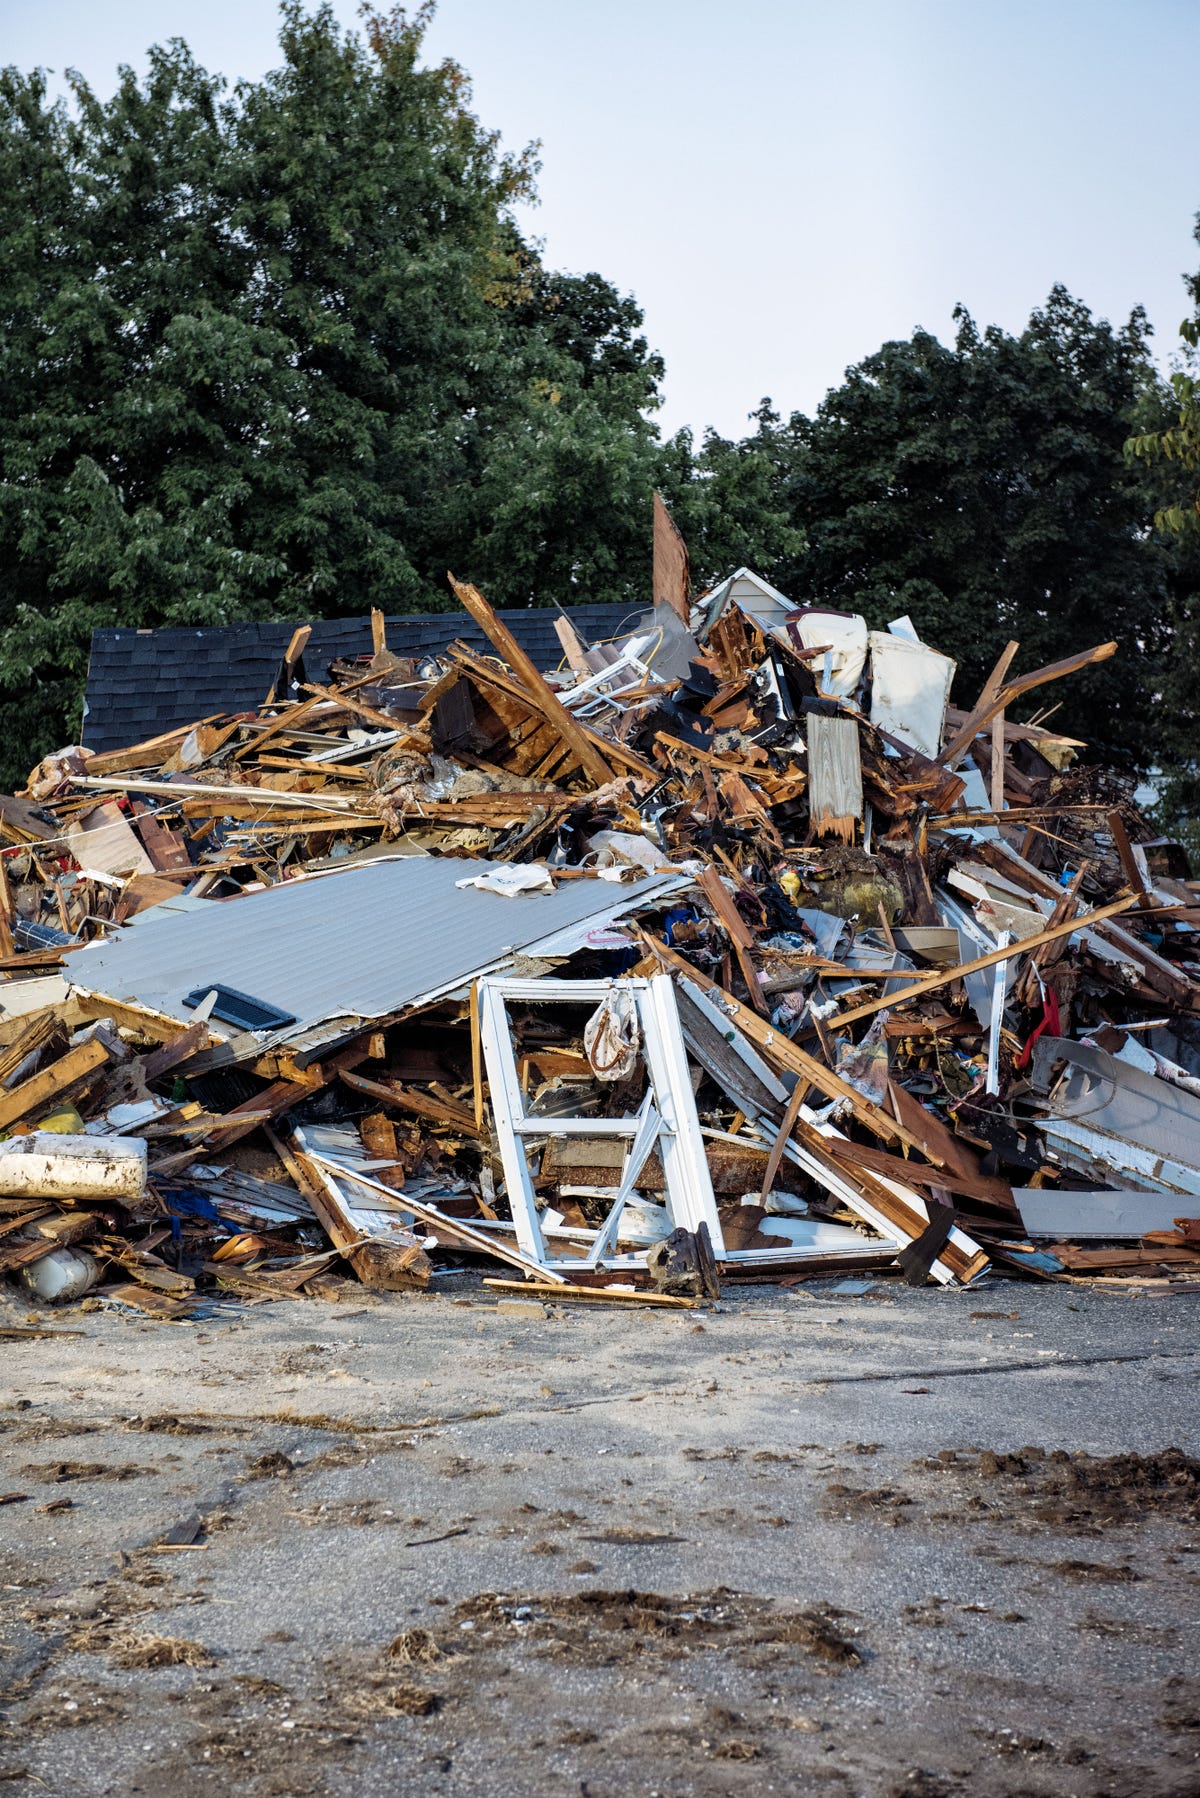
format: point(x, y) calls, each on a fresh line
point(784, 184)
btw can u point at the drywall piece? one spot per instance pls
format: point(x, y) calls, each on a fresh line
point(1111, 1216)
point(904, 627)
point(846, 636)
point(19, 997)
point(910, 685)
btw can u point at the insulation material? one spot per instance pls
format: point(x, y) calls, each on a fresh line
point(847, 639)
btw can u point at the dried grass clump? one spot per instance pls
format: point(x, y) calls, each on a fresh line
point(413, 1645)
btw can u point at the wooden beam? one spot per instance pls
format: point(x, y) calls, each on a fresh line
point(36, 1093)
point(189, 1042)
point(7, 913)
point(486, 674)
point(378, 632)
point(781, 1050)
point(127, 1016)
point(791, 1112)
point(150, 754)
point(386, 1266)
point(35, 1031)
point(546, 702)
point(932, 981)
point(989, 690)
point(599, 1295)
point(446, 1226)
point(572, 648)
point(997, 781)
point(1133, 873)
point(987, 1189)
point(728, 915)
point(438, 1111)
point(899, 1214)
point(294, 715)
point(986, 710)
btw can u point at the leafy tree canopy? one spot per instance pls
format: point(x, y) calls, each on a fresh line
point(981, 487)
point(1178, 441)
point(282, 352)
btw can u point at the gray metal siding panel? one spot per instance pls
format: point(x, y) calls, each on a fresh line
point(361, 943)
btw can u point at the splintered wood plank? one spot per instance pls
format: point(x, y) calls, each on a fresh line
point(189, 1042)
point(714, 890)
point(963, 1259)
point(791, 1112)
point(286, 721)
point(127, 1016)
point(547, 702)
point(439, 1111)
point(997, 780)
point(166, 848)
point(150, 754)
point(947, 975)
point(989, 1190)
point(386, 1266)
point(34, 1032)
point(1001, 697)
point(7, 913)
point(493, 680)
point(453, 1228)
point(36, 1093)
point(670, 572)
point(1133, 873)
point(597, 1295)
point(572, 648)
point(835, 791)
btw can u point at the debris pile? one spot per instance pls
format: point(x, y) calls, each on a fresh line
point(732, 950)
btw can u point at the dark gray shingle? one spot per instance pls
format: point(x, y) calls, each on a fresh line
point(143, 683)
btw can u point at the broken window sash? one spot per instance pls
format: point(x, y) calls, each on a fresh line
point(666, 1121)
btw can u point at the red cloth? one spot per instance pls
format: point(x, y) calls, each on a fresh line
point(1050, 1022)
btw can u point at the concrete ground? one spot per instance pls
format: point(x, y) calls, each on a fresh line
point(442, 1547)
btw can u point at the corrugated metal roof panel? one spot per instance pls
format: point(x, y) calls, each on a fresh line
point(359, 943)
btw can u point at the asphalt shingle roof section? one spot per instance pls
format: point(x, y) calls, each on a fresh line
point(143, 683)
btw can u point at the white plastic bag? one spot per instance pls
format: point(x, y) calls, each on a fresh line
point(512, 879)
point(612, 1036)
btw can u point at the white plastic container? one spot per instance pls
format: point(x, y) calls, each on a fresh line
point(61, 1275)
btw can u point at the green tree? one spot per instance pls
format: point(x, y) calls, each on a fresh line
point(283, 353)
point(981, 487)
point(1177, 441)
point(730, 499)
